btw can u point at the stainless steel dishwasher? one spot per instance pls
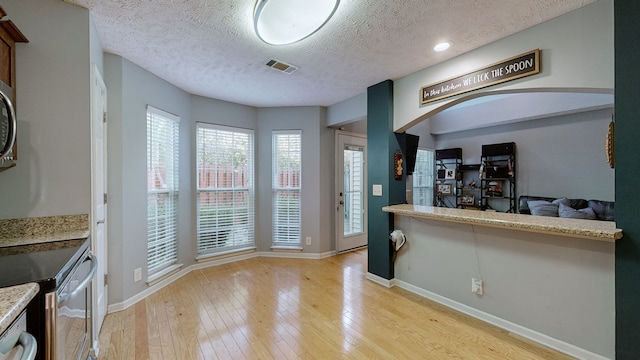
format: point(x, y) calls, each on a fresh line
point(16, 343)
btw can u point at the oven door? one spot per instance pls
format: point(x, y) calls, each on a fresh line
point(73, 314)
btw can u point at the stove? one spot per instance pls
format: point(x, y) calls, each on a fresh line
point(58, 267)
point(47, 264)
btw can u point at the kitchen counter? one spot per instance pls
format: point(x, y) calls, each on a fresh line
point(42, 230)
point(13, 300)
point(577, 228)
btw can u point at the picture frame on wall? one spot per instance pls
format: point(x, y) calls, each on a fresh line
point(467, 199)
point(444, 189)
point(449, 174)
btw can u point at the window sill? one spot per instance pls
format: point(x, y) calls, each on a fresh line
point(224, 254)
point(161, 275)
point(287, 248)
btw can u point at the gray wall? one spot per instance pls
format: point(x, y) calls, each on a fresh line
point(317, 174)
point(556, 157)
point(577, 52)
point(348, 111)
point(130, 90)
point(53, 175)
point(557, 286)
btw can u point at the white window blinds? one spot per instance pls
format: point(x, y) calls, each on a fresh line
point(162, 189)
point(423, 178)
point(225, 188)
point(286, 160)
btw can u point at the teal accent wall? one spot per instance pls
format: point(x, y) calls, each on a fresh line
point(627, 163)
point(381, 146)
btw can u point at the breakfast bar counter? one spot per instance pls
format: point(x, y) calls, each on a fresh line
point(577, 228)
point(541, 277)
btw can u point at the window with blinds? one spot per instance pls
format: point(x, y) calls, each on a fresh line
point(423, 178)
point(225, 188)
point(162, 189)
point(286, 160)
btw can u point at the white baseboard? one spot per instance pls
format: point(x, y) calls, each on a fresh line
point(380, 280)
point(519, 330)
point(296, 255)
point(205, 264)
point(148, 291)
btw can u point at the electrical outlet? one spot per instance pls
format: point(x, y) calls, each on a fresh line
point(137, 274)
point(308, 240)
point(476, 286)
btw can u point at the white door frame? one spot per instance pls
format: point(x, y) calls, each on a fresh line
point(98, 219)
point(342, 244)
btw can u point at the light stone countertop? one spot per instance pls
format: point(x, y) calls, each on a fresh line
point(577, 228)
point(13, 300)
point(38, 230)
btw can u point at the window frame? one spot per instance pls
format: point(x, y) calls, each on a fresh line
point(292, 236)
point(162, 233)
point(212, 230)
point(426, 189)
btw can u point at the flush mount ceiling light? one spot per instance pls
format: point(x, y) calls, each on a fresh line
point(442, 46)
point(281, 22)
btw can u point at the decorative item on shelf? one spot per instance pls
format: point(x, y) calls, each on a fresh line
point(397, 165)
point(481, 171)
point(608, 145)
point(494, 188)
point(510, 167)
point(450, 174)
point(444, 189)
point(472, 183)
point(467, 199)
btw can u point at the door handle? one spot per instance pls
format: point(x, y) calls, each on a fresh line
point(30, 345)
point(100, 222)
point(65, 297)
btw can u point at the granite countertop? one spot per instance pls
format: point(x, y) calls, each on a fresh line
point(38, 230)
point(587, 229)
point(13, 300)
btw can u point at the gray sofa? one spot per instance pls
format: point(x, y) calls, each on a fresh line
point(603, 210)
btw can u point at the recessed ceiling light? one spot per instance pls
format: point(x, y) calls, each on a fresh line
point(442, 46)
point(281, 22)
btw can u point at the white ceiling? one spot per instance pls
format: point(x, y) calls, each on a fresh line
point(209, 48)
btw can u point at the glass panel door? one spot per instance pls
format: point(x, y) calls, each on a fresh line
point(351, 183)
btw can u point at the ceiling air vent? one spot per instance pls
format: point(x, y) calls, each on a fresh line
point(282, 66)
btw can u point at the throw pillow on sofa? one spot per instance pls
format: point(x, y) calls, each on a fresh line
point(546, 208)
point(568, 212)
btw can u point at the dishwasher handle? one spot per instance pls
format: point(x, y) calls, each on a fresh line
point(65, 297)
point(30, 345)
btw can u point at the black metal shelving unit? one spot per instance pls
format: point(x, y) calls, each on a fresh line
point(448, 162)
point(498, 184)
point(471, 186)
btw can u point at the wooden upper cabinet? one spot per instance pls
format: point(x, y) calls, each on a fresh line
point(9, 36)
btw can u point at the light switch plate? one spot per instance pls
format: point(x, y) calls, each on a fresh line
point(377, 190)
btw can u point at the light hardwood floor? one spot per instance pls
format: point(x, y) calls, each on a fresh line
point(268, 308)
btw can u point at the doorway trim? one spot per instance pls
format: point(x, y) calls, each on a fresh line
point(339, 232)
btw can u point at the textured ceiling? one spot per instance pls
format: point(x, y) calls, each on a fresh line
point(209, 48)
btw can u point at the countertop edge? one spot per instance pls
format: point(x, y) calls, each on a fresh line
point(13, 300)
point(576, 228)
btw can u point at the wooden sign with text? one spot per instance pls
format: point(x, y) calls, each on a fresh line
point(517, 67)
